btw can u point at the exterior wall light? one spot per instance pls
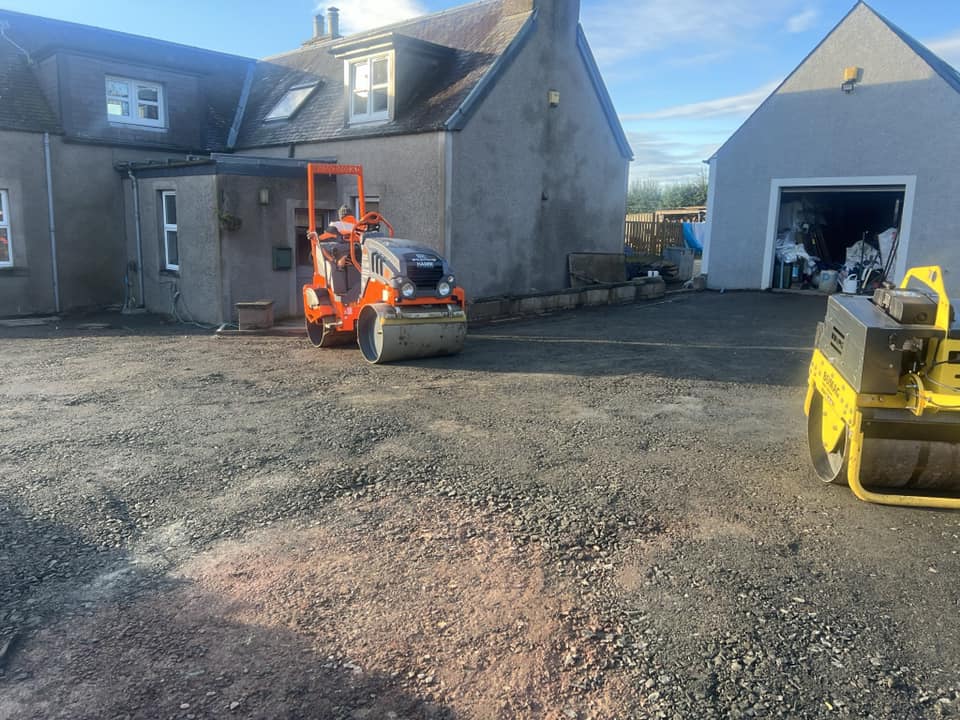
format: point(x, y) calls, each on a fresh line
point(263, 197)
point(851, 76)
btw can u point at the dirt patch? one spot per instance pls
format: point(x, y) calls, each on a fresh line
point(391, 608)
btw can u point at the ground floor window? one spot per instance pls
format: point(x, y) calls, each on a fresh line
point(371, 204)
point(171, 248)
point(6, 243)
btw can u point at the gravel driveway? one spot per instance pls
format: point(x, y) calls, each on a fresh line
point(600, 514)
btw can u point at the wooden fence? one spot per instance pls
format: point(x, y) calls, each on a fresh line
point(650, 238)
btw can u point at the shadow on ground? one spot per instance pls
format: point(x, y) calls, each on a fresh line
point(87, 632)
point(763, 338)
point(739, 337)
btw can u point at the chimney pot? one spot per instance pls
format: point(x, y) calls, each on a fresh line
point(319, 29)
point(333, 21)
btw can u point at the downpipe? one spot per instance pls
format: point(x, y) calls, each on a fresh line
point(139, 235)
point(52, 222)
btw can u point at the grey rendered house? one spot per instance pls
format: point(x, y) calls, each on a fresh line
point(74, 101)
point(861, 137)
point(484, 131)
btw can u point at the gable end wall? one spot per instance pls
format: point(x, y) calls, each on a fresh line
point(900, 121)
point(531, 183)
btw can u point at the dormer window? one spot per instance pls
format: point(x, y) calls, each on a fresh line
point(382, 72)
point(370, 89)
point(135, 102)
point(291, 102)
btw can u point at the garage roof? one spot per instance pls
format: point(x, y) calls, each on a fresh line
point(940, 66)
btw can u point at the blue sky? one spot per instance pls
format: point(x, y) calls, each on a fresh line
point(683, 74)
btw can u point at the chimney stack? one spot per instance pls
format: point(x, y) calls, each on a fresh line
point(319, 28)
point(333, 22)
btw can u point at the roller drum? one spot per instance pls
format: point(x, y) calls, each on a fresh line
point(385, 335)
point(888, 463)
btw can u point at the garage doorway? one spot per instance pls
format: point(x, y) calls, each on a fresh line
point(829, 215)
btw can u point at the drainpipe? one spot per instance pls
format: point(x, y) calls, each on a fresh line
point(136, 220)
point(53, 226)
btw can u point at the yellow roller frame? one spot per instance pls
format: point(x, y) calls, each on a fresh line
point(842, 404)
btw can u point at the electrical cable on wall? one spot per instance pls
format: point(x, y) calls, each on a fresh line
point(175, 297)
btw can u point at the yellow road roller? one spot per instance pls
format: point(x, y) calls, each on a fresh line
point(883, 400)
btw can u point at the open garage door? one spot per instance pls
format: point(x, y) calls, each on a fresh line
point(856, 228)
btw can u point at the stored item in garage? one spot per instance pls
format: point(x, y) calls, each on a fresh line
point(883, 400)
point(398, 298)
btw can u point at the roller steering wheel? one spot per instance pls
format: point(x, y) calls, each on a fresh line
point(371, 223)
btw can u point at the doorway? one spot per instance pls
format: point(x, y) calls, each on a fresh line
point(831, 218)
point(303, 254)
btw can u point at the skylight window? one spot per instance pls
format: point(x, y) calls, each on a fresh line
point(291, 102)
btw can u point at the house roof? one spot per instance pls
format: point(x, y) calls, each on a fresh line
point(471, 45)
point(477, 36)
point(940, 66)
point(24, 107)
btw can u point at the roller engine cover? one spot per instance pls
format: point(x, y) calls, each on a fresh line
point(388, 258)
point(908, 307)
point(866, 345)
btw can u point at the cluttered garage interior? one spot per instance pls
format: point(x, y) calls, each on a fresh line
point(841, 238)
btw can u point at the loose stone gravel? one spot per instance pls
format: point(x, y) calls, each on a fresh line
point(617, 501)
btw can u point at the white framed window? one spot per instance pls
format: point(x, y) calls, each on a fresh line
point(6, 241)
point(370, 89)
point(135, 102)
point(171, 247)
point(290, 102)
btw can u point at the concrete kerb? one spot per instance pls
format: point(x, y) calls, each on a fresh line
point(487, 310)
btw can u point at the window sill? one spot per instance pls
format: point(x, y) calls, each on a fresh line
point(14, 272)
point(170, 274)
point(137, 126)
point(360, 122)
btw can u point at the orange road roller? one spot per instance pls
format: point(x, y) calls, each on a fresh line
point(395, 298)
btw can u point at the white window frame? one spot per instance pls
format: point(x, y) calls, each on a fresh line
point(5, 225)
point(369, 116)
point(168, 228)
point(134, 102)
point(279, 113)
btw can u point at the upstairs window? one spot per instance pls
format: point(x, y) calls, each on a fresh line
point(6, 244)
point(171, 247)
point(135, 102)
point(370, 89)
point(291, 102)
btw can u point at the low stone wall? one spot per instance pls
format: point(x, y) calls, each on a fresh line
point(487, 309)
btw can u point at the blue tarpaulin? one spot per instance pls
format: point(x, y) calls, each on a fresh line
point(693, 235)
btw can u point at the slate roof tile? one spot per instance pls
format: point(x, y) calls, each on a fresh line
point(477, 35)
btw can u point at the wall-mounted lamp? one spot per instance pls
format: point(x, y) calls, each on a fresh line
point(851, 76)
point(553, 98)
point(263, 197)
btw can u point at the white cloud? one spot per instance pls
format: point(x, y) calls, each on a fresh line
point(665, 158)
point(733, 105)
point(947, 47)
point(619, 30)
point(803, 21)
point(360, 15)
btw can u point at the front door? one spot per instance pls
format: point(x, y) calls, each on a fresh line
point(304, 257)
